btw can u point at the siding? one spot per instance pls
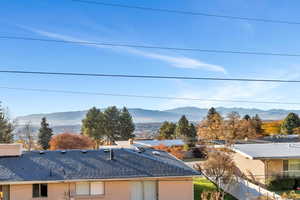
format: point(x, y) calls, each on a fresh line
point(175, 189)
point(248, 166)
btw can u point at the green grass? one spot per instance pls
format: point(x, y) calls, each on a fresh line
point(202, 184)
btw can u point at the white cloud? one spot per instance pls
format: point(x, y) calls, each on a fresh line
point(249, 91)
point(175, 61)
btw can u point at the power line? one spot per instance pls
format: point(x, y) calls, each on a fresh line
point(147, 76)
point(151, 47)
point(188, 12)
point(144, 96)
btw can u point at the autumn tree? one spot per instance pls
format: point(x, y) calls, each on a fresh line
point(45, 134)
point(6, 127)
point(211, 128)
point(93, 125)
point(27, 137)
point(272, 127)
point(233, 126)
point(126, 125)
point(291, 122)
point(70, 141)
point(167, 130)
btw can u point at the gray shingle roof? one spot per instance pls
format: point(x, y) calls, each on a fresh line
point(94, 164)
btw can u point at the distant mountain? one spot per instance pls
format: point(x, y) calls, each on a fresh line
point(71, 121)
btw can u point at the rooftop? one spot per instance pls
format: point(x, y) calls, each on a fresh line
point(269, 150)
point(151, 143)
point(91, 164)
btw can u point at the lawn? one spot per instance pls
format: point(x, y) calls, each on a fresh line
point(202, 184)
point(296, 192)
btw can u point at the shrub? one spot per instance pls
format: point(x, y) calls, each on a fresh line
point(70, 141)
point(282, 183)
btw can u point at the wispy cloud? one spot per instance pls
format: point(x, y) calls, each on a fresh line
point(175, 61)
point(250, 91)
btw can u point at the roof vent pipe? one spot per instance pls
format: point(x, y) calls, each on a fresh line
point(111, 154)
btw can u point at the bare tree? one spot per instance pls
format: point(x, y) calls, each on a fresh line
point(221, 169)
point(26, 136)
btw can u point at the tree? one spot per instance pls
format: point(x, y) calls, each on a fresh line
point(212, 127)
point(272, 127)
point(112, 124)
point(182, 128)
point(220, 167)
point(6, 127)
point(291, 122)
point(93, 125)
point(192, 137)
point(70, 141)
point(257, 124)
point(26, 137)
point(247, 117)
point(233, 126)
point(167, 130)
point(45, 134)
point(126, 125)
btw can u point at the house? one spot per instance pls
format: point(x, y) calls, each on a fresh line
point(266, 161)
point(105, 174)
point(152, 143)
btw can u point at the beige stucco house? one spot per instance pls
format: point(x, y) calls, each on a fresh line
point(266, 161)
point(106, 174)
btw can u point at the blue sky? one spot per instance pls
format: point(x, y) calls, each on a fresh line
point(67, 20)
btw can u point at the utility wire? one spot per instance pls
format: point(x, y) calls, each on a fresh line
point(187, 12)
point(147, 76)
point(144, 96)
point(150, 47)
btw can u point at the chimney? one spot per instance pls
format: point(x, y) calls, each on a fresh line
point(10, 150)
point(130, 141)
point(111, 154)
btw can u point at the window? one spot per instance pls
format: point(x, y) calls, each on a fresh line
point(144, 190)
point(291, 167)
point(90, 188)
point(4, 192)
point(39, 190)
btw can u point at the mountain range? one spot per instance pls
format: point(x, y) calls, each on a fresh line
point(71, 121)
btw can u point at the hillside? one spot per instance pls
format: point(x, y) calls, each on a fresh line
point(147, 119)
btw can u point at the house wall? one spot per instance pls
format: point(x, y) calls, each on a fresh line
point(273, 168)
point(250, 167)
point(175, 189)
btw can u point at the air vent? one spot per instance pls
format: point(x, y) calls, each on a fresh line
point(63, 151)
point(106, 150)
point(156, 153)
point(42, 152)
point(83, 151)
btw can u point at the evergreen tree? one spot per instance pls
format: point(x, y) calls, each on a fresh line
point(112, 125)
point(291, 122)
point(257, 124)
point(126, 125)
point(192, 138)
point(93, 125)
point(6, 128)
point(183, 127)
point(247, 117)
point(45, 134)
point(212, 114)
point(212, 126)
point(167, 130)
